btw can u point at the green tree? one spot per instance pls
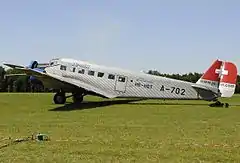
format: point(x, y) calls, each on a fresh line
point(238, 85)
point(21, 84)
point(2, 79)
point(16, 83)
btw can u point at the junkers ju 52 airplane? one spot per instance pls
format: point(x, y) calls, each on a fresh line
point(83, 78)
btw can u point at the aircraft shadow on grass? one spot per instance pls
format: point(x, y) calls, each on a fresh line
point(99, 104)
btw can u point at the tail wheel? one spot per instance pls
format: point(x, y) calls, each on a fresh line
point(226, 105)
point(219, 104)
point(59, 98)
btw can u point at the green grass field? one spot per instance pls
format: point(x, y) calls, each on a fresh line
point(117, 131)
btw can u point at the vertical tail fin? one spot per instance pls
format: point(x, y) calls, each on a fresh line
point(211, 77)
point(222, 76)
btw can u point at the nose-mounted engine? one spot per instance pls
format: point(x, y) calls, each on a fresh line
point(33, 64)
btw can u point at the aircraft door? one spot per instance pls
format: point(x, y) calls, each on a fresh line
point(121, 83)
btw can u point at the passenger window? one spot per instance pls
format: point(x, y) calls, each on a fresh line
point(91, 73)
point(121, 79)
point(111, 76)
point(63, 67)
point(100, 74)
point(81, 71)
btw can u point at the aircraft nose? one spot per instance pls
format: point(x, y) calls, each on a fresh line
point(33, 64)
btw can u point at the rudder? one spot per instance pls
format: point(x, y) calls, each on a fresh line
point(228, 79)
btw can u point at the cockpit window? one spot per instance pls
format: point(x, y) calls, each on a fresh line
point(63, 67)
point(54, 62)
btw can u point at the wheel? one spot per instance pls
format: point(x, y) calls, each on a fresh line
point(77, 98)
point(226, 105)
point(216, 104)
point(59, 98)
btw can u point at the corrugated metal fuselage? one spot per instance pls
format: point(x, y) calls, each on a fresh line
point(124, 84)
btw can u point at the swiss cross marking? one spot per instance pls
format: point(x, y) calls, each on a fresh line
point(221, 72)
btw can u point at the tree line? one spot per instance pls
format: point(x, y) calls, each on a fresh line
point(22, 83)
point(19, 83)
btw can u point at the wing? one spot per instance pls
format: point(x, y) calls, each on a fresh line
point(39, 73)
point(13, 75)
point(13, 65)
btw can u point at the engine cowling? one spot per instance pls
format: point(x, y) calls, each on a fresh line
point(33, 64)
point(37, 67)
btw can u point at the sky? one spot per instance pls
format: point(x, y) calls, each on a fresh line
point(170, 36)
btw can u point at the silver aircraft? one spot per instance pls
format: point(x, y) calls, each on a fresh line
point(82, 78)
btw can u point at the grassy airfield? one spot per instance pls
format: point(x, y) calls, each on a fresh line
point(119, 131)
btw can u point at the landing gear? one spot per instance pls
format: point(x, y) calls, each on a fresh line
point(226, 105)
point(59, 98)
point(219, 104)
point(77, 98)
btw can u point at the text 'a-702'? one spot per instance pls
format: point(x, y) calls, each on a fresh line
point(175, 90)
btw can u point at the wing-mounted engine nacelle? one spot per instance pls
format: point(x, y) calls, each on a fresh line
point(33, 64)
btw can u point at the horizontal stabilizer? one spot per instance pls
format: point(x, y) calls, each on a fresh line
point(206, 88)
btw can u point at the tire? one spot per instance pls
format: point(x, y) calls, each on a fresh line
point(226, 105)
point(77, 99)
point(59, 98)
